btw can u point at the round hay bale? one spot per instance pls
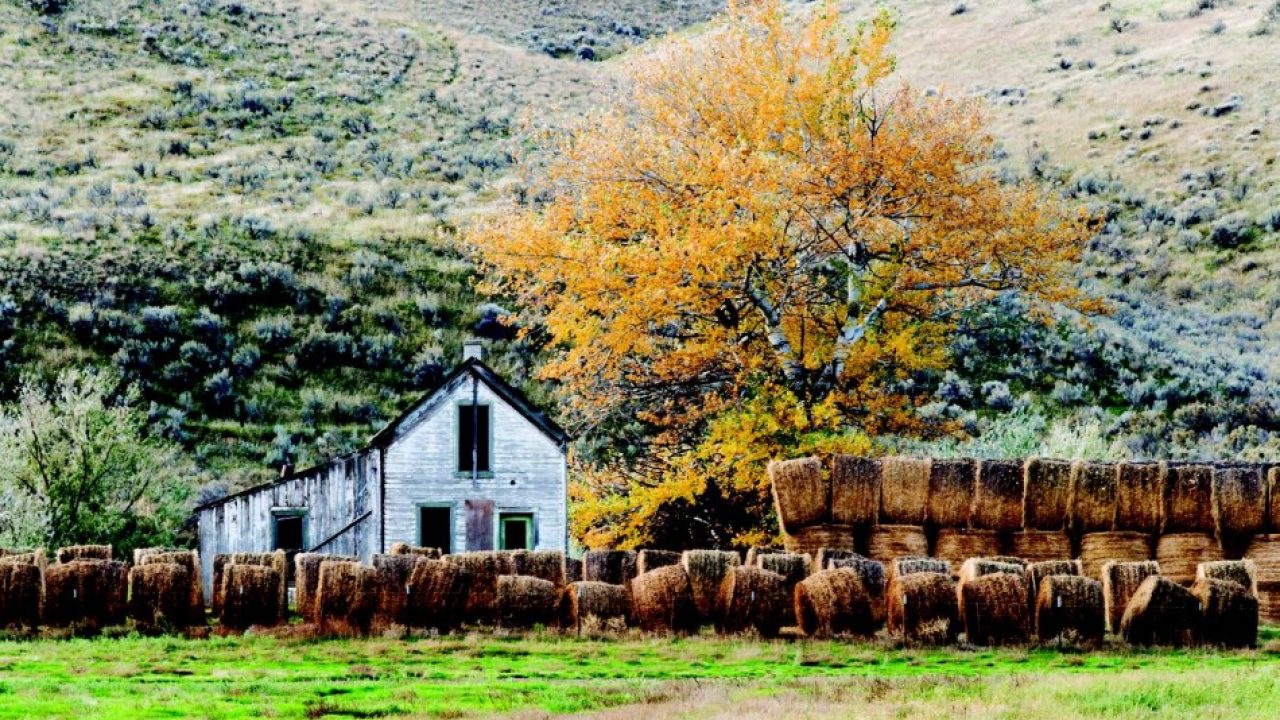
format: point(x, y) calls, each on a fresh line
point(1040, 545)
point(838, 602)
point(346, 598)
point(250, 596)
point(277, 561)
point(1035, 573)
point(483, 569)
point(1120, 546)
point(32, 557)
point(1046, 492)
point(1161, 612)
point(92, 594)
point(810, 540)
point(855, 490)
point(21, 594)
point(189, 559)
point(801, 492)
point(1273, 499)
point(911, 565)
point(526, 602)
point(595, 607)
point(572, 570)
point(662, 601)
point(922, 608)
point(706, 569)
point(306, 576)
point(437, 595)
point(994, 609)
point(1140, 497)
point(160, 596)
point(1092, 507)
point(950, 493)
point(753, 599)
point(647, 560)
point(1120, 580)
point(904, 490)
point(1269, 603)
point(793, 567)
point(1241, 572)
point(825, 556)
point(1264, 551)
point(875, 581)
point(1180, 553)
point(999, 494)
point(1069, 608)
point(84, 552)
point(956, 546)
point(1228, 613)
point(545, 564)
point(1239, 501)
point(616, 567)
point(977, 567)
point(758, 550)
point(392, 588)
point(1188, 498)
point(887, 542)
point(401, 548)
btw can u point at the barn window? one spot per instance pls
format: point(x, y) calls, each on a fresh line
point(515, 531)
point(289, 529)
point(473, 431)
point(435, 527)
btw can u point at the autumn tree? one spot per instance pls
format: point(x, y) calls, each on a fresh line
point(756, 251)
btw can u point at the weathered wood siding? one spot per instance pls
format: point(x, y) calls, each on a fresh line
point(333, 495)
point(420, 467)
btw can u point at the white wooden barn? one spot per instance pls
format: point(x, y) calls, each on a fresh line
point(471, 466)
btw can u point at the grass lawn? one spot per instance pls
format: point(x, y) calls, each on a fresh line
point(633, 677)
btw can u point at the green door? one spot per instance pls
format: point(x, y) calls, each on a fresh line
point(515, 531)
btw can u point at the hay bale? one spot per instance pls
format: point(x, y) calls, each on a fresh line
point(904, 490)
point(572, 570)
point(825, 556)
point(1241, 572)
point(801, 492)
point(160, 596)
point(438, 593)
point(277, 561)
point(956, 546)
point(855, 490)
point(1120, 580)
point(977, 567)
point(793, 567)
point(647, 560)
point(994, 610)
point(1264, 551)
point(1040, 545)
point(662, 601)
point(616, 567)
point(21, 594)
point(1099, 548)
point(595, 607)
point(1273, 499)
point(544, 564)
point(525, 601)
point(1070, 608)
point(483, 569)
point(250, 595)
point(1180, 553)
point(32, 557)
point(1092, 507)
point(1269, 603)
point(706, 569)
point(921, 608)
point(401, 548)
point(1046, 492)
point(392, 588)
point(754, 599)
point(1188, 498)
point(83, 552)
point(88, 593)
point(758, 550)
point(887, 542)
point(898, 567)
point(1228, 613)
point(950, 492)
point(1035, 573)
point(999, 494)
point(189, 559)
point(1239, 501)
point(1161, 612)
point(306, 580)
point(875, 582)
point(346, 598)
point(811, 539)
point(839, 602)
point(1139, 497)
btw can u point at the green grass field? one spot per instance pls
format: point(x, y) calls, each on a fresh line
point(548, 674)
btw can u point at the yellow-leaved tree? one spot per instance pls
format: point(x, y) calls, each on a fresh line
point(755, 252)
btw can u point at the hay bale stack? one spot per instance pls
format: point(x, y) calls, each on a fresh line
point(1070, 608)
point(904, 490)
point(1239, 501)
point(956, 546)
point(1092, 507)
point(662, 601)
point(837, 602)
point(572, 570)
point(855, 490)
point(994, 610)
point(754, 599)
point(706, 569)
point(1096, 549)
point(999, 495)
point(392, 588)
point(483, 570)
point(306, 580)
point(160, 596)
point(250, 596)
point(801, 492)
point(437, 595)
point(346, 598)
point(88, 593)
point(1180, 553)
point(1120, 580)
point(407, 549)
point(545, 564)
point(887, 542)
point(83, 552)
point(922, 608)
point(616, 567)
point(1140, 497)
point(757, 550)
point(189, 559)
point(647, 560)
point(1241, 572)
point(825, 556)
point(810, 540)
point(525, 601)
point(910, 565)
point(950, 492)
point(875, 581)
point(1188, 498)
point(21, 594)
point(1040, 545)
point(1161, 612)
point(277, 561)
point(595, 607)
point(1046, 492)
point(1228, 613)
point(1035, 573)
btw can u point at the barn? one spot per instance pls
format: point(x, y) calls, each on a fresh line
point(472, 466)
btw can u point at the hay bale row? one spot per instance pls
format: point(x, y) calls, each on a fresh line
point(904, 490)
point(306, 580)
point(1161, 612)
point(922, 608)
point(887, 542)
point(524, 601)
point(616, 567)
point(1070, 609)
point(1188, 498)
point(595, 607)
point(994, 610)
point(1139, 497)
point(346, 598)
point(1179, 554)
point(438, 593)
point(950, 494)
point(1097, 549)
point(855, 490)
point(86, 593)
point(706, 570)
point(249, 595)
point(1120, 581)
point(754, 599)
point(21, 594)
point(1040, 545)
point(801, 492)
point(647, 560)
point(401, 548)
point(662, 601)
point(998, 495)
point(1046, 492)
point(543, 564)
point(810, 540)
point(956, 546)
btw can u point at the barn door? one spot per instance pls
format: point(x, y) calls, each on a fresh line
point(479, 524)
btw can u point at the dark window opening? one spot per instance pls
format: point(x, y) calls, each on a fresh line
point(473, 427)
point(435, 529)
point(289, 533)
point(517, 531)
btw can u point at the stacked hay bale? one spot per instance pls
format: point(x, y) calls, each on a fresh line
point(956, 546)
point(949, 495)
point(401, 548)
point(86, 594)
point(1120, 581)
point(647, 560)
point(904, 490)
point(189, 559)
point(1040, 545)
point(662, 601)
point(706, 570)
point(572, 569)
point(1092, 503)
point(1070, 608)
point(306, 577)
point(594, 607)
point(754, 599)
point(277, 561)
point(855, 490)
point(922, 608)
point(999, 495)
point(1140, 497)
point(616, 567)
point(31, 557)
point(1241, 572)
point(346, 598)
point(438, 593)
point(1161, 612)
point(1228, 613)
point(524, 601)
point(1179, 554)
point(802, 491)
point(249, 595)
point(483, 570)
point(1264, 552)
point(886, 542)
point(1188, 498)
point(391, 588)
point(1099, 548)
point(810, 540)
point(1046, 494)
point(1239, 505)
point(83, 552)
point(21, 592)
point(993, 608)
point(160, 597)
point(542, 564)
